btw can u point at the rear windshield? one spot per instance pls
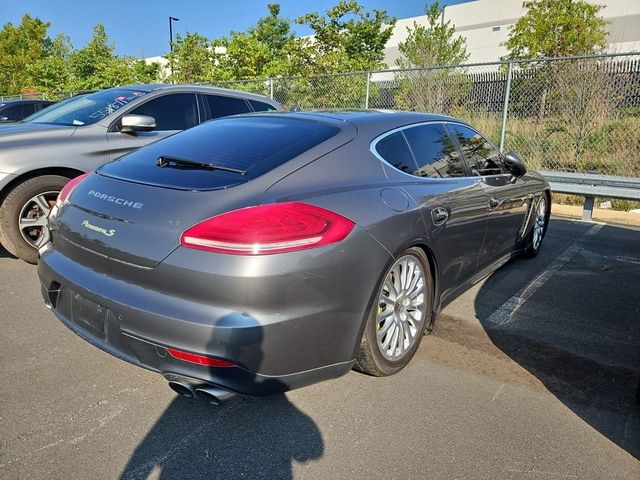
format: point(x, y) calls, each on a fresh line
point(253, 145)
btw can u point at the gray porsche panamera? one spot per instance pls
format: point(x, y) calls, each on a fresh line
point(265, 252)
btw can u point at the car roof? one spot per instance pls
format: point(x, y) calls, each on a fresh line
point(4, 103)
point(374, 115)
point(185, 87)
point(366, 120)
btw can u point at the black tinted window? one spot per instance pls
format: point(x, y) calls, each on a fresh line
point(254, 145)
point(27, 109)
point(483, 157)
point(261, 106)
point(223, 106)
point(40, 106)
point(394, 149)
point(434, 151)
point(13, 113)
point(177, 111)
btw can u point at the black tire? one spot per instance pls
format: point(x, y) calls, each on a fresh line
point(12, 207)
point(370, 359)
point(532, 248)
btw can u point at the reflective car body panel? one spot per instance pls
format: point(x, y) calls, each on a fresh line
point(286, 319)
point(32, 146)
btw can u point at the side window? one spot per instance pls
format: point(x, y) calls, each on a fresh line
point(12, 113)
point(220, 106)
point(434, 151)
point(28, 109)
point(177, 111)
point(483, 157)
point(395, 150)
point(261, 106)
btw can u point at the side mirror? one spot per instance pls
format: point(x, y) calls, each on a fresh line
point(515, 165)
point(137, 123)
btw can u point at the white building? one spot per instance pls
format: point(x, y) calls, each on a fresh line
point(486, 25)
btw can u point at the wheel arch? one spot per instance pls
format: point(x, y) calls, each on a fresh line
point(62, 171)
point(547, 192)
point(433, 267)
point(433, 270)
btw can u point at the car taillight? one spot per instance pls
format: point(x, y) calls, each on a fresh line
point(199, 359)
point(63, 196)
point(267, 229)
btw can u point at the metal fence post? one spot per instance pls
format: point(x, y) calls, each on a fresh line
point(505, 108)
point(366, 97)
point(271, 88)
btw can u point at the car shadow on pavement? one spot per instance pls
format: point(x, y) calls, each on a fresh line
point(579, 332)
point(250, 437)
point(4, 253)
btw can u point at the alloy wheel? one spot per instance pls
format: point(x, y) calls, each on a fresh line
point(32, 220)
point(401, 308)
point(538, 226)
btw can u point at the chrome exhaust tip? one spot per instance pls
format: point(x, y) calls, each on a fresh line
point(183, 389)
point(214, 395)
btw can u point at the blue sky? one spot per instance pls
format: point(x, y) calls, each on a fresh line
point(140, 27)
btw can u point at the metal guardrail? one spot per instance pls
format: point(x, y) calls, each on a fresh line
point(591, 185)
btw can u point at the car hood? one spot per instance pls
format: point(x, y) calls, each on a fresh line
point(16, 134)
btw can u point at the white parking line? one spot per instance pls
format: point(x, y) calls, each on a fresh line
point(503, 314)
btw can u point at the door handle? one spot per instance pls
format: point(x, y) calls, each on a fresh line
point(494, 202)
point(439, 215)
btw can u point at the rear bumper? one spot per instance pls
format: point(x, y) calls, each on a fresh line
point(298, 325)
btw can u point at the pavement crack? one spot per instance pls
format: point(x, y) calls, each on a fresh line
point(498, 392)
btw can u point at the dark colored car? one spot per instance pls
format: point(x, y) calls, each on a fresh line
point(38, 156)
point(16, 110)
point(260, 253)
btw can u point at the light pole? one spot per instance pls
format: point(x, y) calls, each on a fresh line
point(171, 19)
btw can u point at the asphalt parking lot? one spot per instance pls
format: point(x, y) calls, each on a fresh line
point(531, 374)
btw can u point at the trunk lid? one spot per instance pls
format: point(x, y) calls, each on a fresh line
point(133, 223)
point(136, 208)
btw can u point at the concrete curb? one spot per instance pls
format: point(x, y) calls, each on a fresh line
point(599, 214)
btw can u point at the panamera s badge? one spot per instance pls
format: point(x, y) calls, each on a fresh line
point(107, 233)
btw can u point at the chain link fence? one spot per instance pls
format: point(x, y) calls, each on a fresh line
point(54, 96)
point(578, 114)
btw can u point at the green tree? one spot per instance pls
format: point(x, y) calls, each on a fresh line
point(191, 59)
point(557, 28)
point(31, 61)
point(51, 72)
point(440, 90)
point(273, 30)
point(262, 51)
point(432, 44)
point(346, 38)
point(129, 70)
point(96, 65)
point(21, 46)
point(89, 64)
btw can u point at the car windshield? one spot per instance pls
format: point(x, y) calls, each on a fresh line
point(86, 109)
